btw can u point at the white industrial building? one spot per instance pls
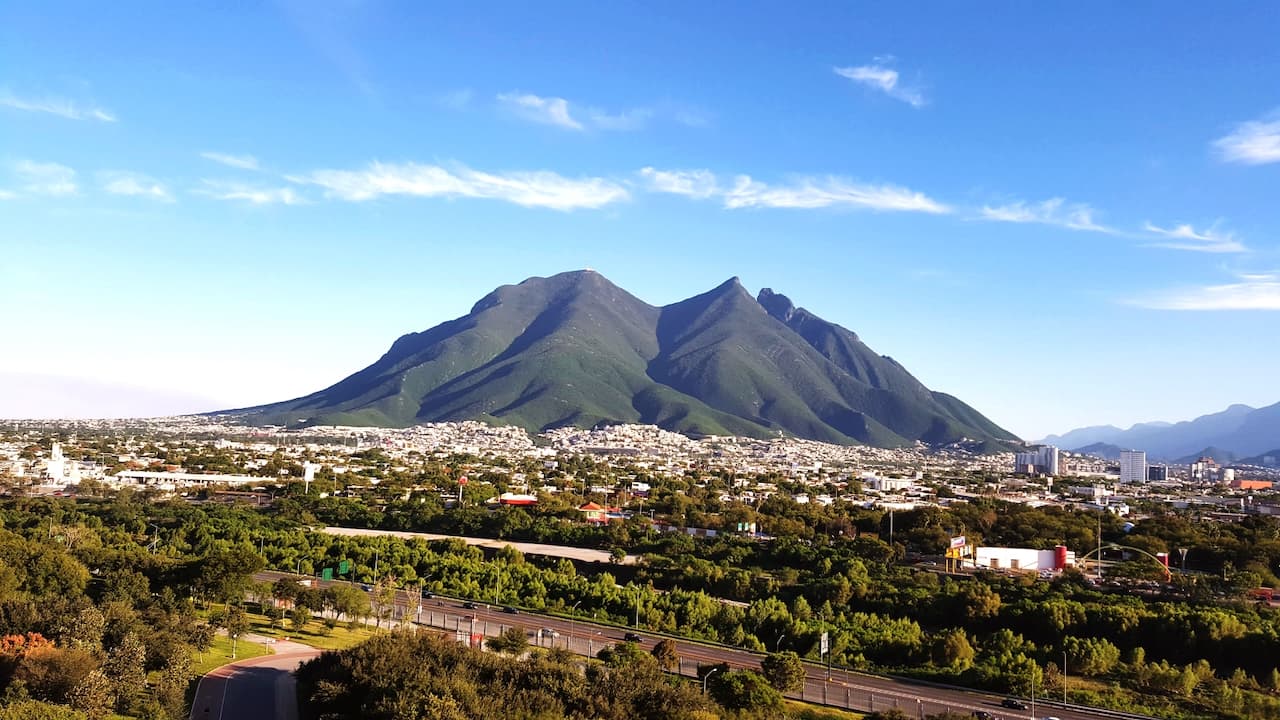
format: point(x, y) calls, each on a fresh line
point(1025, 559)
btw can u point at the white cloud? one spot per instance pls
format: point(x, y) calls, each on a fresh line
point(1186, 237)
point(134, 184)
point(557, 111)
point(1250, 292)
point(633, 119)
point(530, 189)
point(56, 106)
point(803, 192)
point(8, 195)
point(254, 195)
point(243, 162)
point(45, 178)
point(885, 79)
point(1054, 211)
point(546, 110)
point(828, 192)
point(1255, 142)
point(698, 184)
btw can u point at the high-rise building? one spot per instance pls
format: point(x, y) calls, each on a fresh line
point(1157, 473)
point(1043, 460)
point(1133, 466)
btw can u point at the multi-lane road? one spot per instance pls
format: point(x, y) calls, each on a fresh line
point(853, 690)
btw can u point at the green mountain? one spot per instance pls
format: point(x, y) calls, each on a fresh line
point(575, 349)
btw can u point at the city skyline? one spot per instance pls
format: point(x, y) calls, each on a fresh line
point(247, 206)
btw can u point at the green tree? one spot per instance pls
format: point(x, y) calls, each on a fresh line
point(171, 686)
point(784, 670)
point(666, 653)
point(36, 710)
point(126, 669)
point(511, 641)
point(92, 696)
point(743, 690)
point(236, 621)
point(299, 618)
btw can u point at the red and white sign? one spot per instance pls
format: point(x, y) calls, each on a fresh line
point(958, 542)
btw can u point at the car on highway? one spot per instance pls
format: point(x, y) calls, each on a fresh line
point(510, 610)
point(633, 637)
point(468, 605)
point(983, 715)
point(1013, 703)
point(550, 632)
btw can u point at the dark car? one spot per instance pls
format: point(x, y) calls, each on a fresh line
point(983, 715)
point(469, 605)
point(632, 637)
point(426, 595)
point(1013, 703)
point(510, 610)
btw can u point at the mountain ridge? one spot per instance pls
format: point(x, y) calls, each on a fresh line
point(1239, 430)
point(575, 349)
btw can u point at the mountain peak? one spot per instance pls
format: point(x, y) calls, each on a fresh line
point(777, 304)
point(575, 349)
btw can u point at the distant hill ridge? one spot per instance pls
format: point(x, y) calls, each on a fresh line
point(576, 350)
point(1239, 431)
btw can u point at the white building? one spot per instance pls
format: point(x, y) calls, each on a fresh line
point(1133, 466)
point(1044, 460)
point(1027, 559)
point(886, 485)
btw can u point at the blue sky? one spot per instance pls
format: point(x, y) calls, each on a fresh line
point(1064, 215)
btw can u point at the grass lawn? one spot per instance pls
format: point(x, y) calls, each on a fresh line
point(805, 711)
point(219, 654)
point(314, 634)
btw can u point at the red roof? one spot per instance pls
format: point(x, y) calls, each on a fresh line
point(590, 506)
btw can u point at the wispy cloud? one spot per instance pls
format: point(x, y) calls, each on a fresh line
point(8, 195)
point(134, 184)
point(560, 112)
point(251, 194)
point(56, 106)
point(1250, 292)
point(1054, 211)
point(39, 178)
point(1186, 237)
point(545, 110)
point(800, 193)
point(1256, 142)
point(698, 184)
point(530, 189)
point(828, 192)
point(879, 76)
point(242, 162)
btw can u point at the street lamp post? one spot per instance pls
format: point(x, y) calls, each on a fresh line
point(707, 677)
point(568, 644)
point(1064, 676)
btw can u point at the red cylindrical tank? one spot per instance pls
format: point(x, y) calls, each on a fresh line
point(1163, 558)
point(1060, 558)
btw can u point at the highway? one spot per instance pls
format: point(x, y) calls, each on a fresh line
point(852, 690)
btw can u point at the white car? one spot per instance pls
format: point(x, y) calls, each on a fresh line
point(548, 632)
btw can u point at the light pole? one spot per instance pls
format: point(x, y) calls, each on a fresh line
point(777, 647)
point(1064, 676)
point(569, 641)
point(1034, 667)
point(707, 677)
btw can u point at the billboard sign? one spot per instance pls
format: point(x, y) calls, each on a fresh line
point(824, 643)
point(958, 542)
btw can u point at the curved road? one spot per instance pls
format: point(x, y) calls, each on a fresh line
point(260, 688)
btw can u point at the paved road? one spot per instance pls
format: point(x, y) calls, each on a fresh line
point(856, 691)
point(528, 548)
point(260, 688)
